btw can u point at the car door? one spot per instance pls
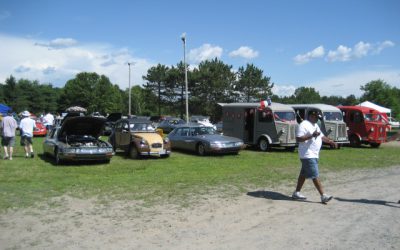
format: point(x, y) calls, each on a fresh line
point(50, 142)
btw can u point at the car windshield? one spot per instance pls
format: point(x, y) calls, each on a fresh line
point(141, 127)
point(176, 121)
point(333, 116)
point(284, 116)
point(203, 131)
point(372, 117)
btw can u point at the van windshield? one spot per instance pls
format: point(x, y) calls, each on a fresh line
point(333, 116)
point(284, 116)
point(372, 117)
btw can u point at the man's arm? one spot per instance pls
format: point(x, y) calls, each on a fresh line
point(329, 141)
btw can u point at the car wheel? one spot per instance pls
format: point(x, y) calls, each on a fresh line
point(201, 150)
point(58, 161)
point(263, 144)
point(355, 141)
point(133, 152)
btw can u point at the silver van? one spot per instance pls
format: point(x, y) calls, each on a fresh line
point(265, 127)
point(331, 124)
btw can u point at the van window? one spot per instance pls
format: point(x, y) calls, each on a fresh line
point(284, 116)
point(356, 117)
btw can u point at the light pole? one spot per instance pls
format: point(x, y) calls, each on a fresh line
point(129, 107)
point(183, 37)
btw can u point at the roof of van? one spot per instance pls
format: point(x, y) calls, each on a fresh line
point(359, 108)
point(275, 106)
point(320, 106)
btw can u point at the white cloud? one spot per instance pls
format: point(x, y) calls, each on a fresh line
point(22, 58)
point(342, 53)
point(361, 49)
point(205, 52)
point(283, 90)
point(245, 52)
point(305, 58)
point(383, 45)
point(345, 85)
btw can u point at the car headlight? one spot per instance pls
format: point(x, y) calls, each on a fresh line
point(238, 144)
point(372, 129)
point(166, 140)
point(143, 143)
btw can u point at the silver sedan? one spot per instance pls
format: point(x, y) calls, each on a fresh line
point(203, 140)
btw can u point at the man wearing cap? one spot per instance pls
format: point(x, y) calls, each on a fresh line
point(310, 138)
point(27, 125)
point(8, 127)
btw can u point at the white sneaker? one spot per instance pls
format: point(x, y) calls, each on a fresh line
point(298, 196)
point(326, 198)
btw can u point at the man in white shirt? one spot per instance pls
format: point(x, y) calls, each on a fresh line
point(310, 138)
point(27, 125)
point(48, 121)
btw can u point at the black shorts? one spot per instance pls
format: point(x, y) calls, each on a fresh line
point(26, 140)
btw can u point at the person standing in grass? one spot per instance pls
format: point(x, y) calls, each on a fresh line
point(8, 127)
point(310, 138)
point(27, 125)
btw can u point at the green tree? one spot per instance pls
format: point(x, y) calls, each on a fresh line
point(213, 82)
point(381, 93)
point(252, 85)
point(306, 95)
point(156, 83)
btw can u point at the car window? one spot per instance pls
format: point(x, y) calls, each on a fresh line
point(141, 127)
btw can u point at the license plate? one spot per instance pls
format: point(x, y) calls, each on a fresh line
point(341, 138)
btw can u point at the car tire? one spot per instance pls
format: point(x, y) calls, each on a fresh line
point(133, 152)
point(58, 161)
point(201, 149)
point(263, 144)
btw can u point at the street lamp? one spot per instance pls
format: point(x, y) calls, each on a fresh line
point(183, 37)
point(129, 107)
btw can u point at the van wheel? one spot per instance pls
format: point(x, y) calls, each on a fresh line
point(263, 144)
point(133, 152)
point(355, 141)
point(375, 145)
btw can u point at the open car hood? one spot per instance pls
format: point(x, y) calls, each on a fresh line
point(82, 125)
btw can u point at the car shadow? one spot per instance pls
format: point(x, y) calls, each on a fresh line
point(271, 195)
point(370, 202)
point(52, 161)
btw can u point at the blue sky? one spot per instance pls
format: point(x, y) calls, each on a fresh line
point(333, 46)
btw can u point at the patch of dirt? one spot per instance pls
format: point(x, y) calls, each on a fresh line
point(365, 214)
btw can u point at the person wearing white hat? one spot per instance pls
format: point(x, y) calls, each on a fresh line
point(27, 125)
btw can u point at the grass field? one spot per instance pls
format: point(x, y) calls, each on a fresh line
point(176, 179)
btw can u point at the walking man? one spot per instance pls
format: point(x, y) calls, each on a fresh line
point(310, 138)
point(8, 127)
point(27, 125)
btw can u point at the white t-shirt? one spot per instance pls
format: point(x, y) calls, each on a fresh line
point(27, 125)
point(310, 148)
point(48, 119)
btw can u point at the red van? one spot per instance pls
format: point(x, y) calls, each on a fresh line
point(365, 125)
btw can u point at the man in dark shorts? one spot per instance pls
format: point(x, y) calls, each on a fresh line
point(310, 138)
point(8, 127)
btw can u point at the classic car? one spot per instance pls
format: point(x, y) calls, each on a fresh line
point(203, 140)
point(169, 124)
point(138, 137)
point(77, 139)
point(40, 129)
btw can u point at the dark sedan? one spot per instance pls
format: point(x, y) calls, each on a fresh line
point(169, 124)
point(77, 139)
point(203, 140)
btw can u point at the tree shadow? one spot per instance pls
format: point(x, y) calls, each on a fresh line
point(370, 202)
point(271, 195)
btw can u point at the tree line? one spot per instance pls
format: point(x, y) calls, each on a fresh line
point(163, 92)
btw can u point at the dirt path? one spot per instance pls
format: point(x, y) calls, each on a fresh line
point(363, 215)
